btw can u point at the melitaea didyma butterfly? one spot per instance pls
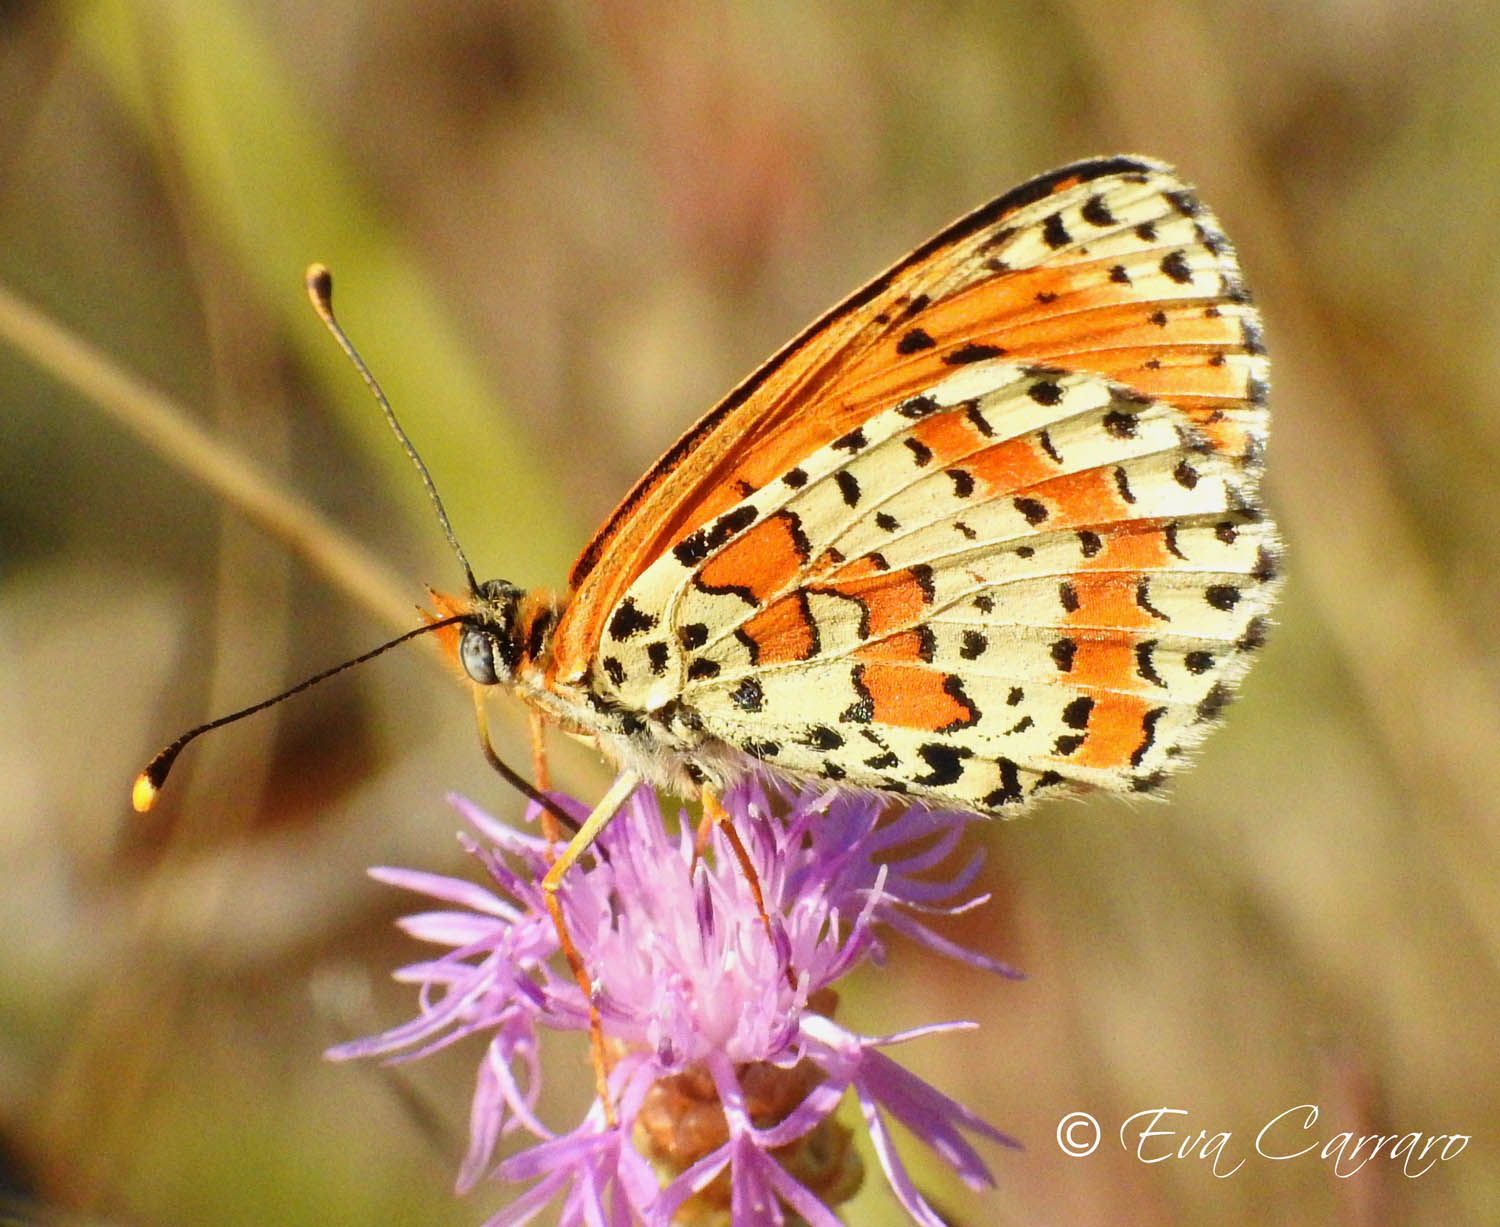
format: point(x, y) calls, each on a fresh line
point(990, 528)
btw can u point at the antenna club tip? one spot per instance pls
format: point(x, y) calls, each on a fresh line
point(319, 284)
point(143, 792)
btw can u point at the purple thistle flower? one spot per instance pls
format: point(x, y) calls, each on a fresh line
point(725, 1072)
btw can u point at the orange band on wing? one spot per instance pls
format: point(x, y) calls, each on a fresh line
point(893, 600)
point(760, 562)
point(913, 698)
point(909, 647)
point(783, 631)
point(1115, 731)
point(1133, 547)
point(1107, 600)
point(1090, 497)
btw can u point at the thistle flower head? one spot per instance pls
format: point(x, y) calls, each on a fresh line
point(726, 1061)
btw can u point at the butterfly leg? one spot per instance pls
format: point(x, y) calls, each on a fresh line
point(608, 807)
point(715, 815)
point(541, 775)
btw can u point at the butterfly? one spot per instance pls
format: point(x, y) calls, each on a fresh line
point(989, 529)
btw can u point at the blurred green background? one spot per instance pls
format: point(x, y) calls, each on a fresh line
point(560, 232)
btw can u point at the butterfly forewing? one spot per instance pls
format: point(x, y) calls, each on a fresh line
point(991, 525)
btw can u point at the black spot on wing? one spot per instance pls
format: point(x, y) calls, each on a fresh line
point(848, 487)
point(1045, 392)
point(946, 763)
point(1145, 662)
point(1143, 600)
point(1034, 511)
point(978, 420)
point(1054, 233)
point(954, 689)
point(1063, 651)
point(918, 407)
point(1214, 702)
point(821, 737)
point(1148, 728)
point(748, 695)
point(1096, 212)
point(1076, 714)
point(1254, 636)
point(1222, 597)
point(1009, 791)
point(1174, 264)
point(862, 710)
point(629, 620)
point(656, 657)
point(702, 542)
point(972, 353)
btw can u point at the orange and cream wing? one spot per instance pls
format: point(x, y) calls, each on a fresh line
point(1110, 267)
point(1019, 577)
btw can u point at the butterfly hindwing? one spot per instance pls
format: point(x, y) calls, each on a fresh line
point(1020, 577)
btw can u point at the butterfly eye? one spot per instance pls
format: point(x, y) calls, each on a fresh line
point(476, 653)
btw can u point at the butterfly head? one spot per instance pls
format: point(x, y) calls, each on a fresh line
point(489, 646)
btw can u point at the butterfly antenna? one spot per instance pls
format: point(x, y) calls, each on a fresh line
point(320, 291)
point(148, 784)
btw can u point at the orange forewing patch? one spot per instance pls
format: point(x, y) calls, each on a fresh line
point(1010, 466)
point(1087, 497)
